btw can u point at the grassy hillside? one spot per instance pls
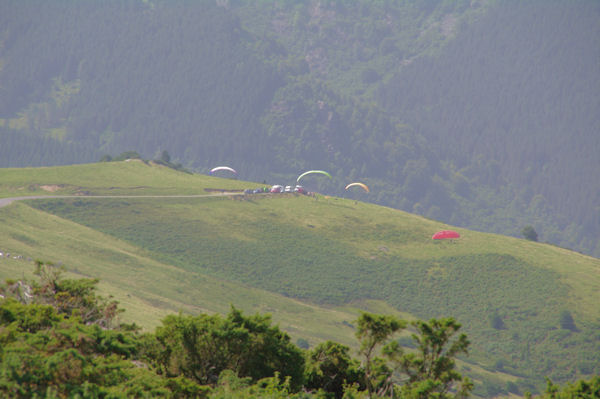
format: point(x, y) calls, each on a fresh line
point(132, 177)
point(147, 288)
point(264, 252)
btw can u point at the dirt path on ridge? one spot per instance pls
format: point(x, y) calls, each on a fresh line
point(8, 201)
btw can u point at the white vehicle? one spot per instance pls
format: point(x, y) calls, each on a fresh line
point(300, 189)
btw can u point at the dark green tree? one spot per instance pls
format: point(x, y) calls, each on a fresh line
point(431, 370)
point(201, 347)
point(73, 297)
point(268, 350)
point(329, 367)
point(581, 389)
point(165, 157)
point(52, 345)
point(529, 233)
point(374, 331)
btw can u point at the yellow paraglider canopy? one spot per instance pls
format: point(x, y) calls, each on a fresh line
point(364, 186)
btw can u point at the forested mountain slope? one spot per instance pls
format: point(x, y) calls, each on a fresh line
point(126, 75)
point(274, 88)
point(512, 104)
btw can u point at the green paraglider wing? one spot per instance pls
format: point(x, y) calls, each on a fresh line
point(313, 171)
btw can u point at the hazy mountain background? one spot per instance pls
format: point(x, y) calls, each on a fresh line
point(482, 114)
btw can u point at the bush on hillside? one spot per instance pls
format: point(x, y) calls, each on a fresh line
point(496, 321)
point(529, 233)
point(566, 321)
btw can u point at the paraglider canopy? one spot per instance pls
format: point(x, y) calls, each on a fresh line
point(313, 171)
point(444, 234)
point(364, 186)
point(213, 170)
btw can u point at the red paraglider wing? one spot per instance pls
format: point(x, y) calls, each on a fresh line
point(441, 235)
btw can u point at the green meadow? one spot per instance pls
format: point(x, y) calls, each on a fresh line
point(133, 177)
point(312, 262)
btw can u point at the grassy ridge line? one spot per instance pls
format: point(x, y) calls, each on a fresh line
point(109, 178)
point(149, 289)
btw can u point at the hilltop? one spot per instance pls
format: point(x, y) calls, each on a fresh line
point(310, 261)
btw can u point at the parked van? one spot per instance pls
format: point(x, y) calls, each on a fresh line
point(300, 189)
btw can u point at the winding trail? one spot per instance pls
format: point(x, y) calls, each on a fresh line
point(8, 201)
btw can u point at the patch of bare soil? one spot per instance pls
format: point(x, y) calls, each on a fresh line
point(51, 187)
